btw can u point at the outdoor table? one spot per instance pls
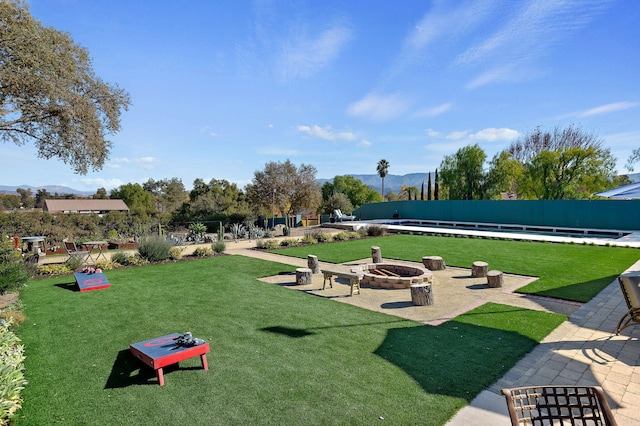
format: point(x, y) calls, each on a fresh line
point(33, 243)
point(92, 246)
point(162, 351)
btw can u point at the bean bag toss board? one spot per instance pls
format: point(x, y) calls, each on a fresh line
point(93, 281)
point(163, 351)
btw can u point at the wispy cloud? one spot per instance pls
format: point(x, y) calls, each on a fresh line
point(147, 163)
point(302, 56)
point(526, 34)
point(364, 143)
point(493, 135)
point(608, 108)
point(326, 133)
point(102, 183)
point(379, 108)
point(433, 111)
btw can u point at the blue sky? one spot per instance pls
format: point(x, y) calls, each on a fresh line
point(219, 88)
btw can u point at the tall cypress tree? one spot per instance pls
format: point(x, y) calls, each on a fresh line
point(429, 188)
point(437, 190)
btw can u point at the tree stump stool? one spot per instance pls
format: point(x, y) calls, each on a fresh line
point(421, 294)
point(312, 263)
point(303, 276)
point(376, 254)
point(494, 279)
point(479, 269)
point(434, 263)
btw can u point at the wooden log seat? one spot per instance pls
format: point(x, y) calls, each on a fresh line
point(494, 278)
point(479, 269)
point(421, 294)
point(434, 263)
point(312, 263)
point(376, 254)
point(303, 276)
point(353, 277)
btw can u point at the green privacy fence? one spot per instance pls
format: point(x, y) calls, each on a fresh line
point(597, 214)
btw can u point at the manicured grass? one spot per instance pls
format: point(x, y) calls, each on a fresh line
point(278, 356)
point(566, 271)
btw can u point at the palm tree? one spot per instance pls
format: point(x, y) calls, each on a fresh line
point(382, 169)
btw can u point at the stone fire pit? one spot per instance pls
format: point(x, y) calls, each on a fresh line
point(389, 275)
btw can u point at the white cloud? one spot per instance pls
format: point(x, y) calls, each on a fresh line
point(302, 56)
point(608, 108)
point(364, 143)
point(147, 163)
point(457, 135)
point(107, 184)
point(433, 133)
point(492, 134)
point(433, 111)
point(378, 107)
point(326, 133)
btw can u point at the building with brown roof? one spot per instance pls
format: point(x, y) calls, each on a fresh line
point(85, 206)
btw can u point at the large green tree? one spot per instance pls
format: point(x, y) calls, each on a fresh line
point(218, 197)
point(463, 176)
point(356, 191)
point(168, 194)
point(285, 187)
point(563, 163)
point(50, 95)
point(139, 201)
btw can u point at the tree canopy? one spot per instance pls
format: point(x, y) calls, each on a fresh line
point(285, 187)
point(50, 95)
point(563, 163)
point(354, 189)
point(463, 175)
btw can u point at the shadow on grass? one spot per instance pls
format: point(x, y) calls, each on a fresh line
point(455, 358)
point(288, 331)
point(124, 367)
point(68, 286)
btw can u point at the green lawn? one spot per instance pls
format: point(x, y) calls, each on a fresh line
point(278, 356)
point(566, 271)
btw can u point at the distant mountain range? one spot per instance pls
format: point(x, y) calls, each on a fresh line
point(51, 189)
point(391, 183)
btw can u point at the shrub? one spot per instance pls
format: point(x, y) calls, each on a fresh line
point(267, 244)
point(198, 230)
point(289, 242)
point(341, 236)
point(54, 269)
point(219, 247)
point(308, 239)
point(119, 257)
point(203, 252)
point(175, 253)
point(13, 271)
point(136, 260)
point(375, 231)
point(106, 265)
point(11, 372)
point(73, 262)
point(154, 249)
point(362, 231)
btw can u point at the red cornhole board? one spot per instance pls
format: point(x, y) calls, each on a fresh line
point(94, 281)
point(162, 351)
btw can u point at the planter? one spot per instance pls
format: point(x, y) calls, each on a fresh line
point(122, 246)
